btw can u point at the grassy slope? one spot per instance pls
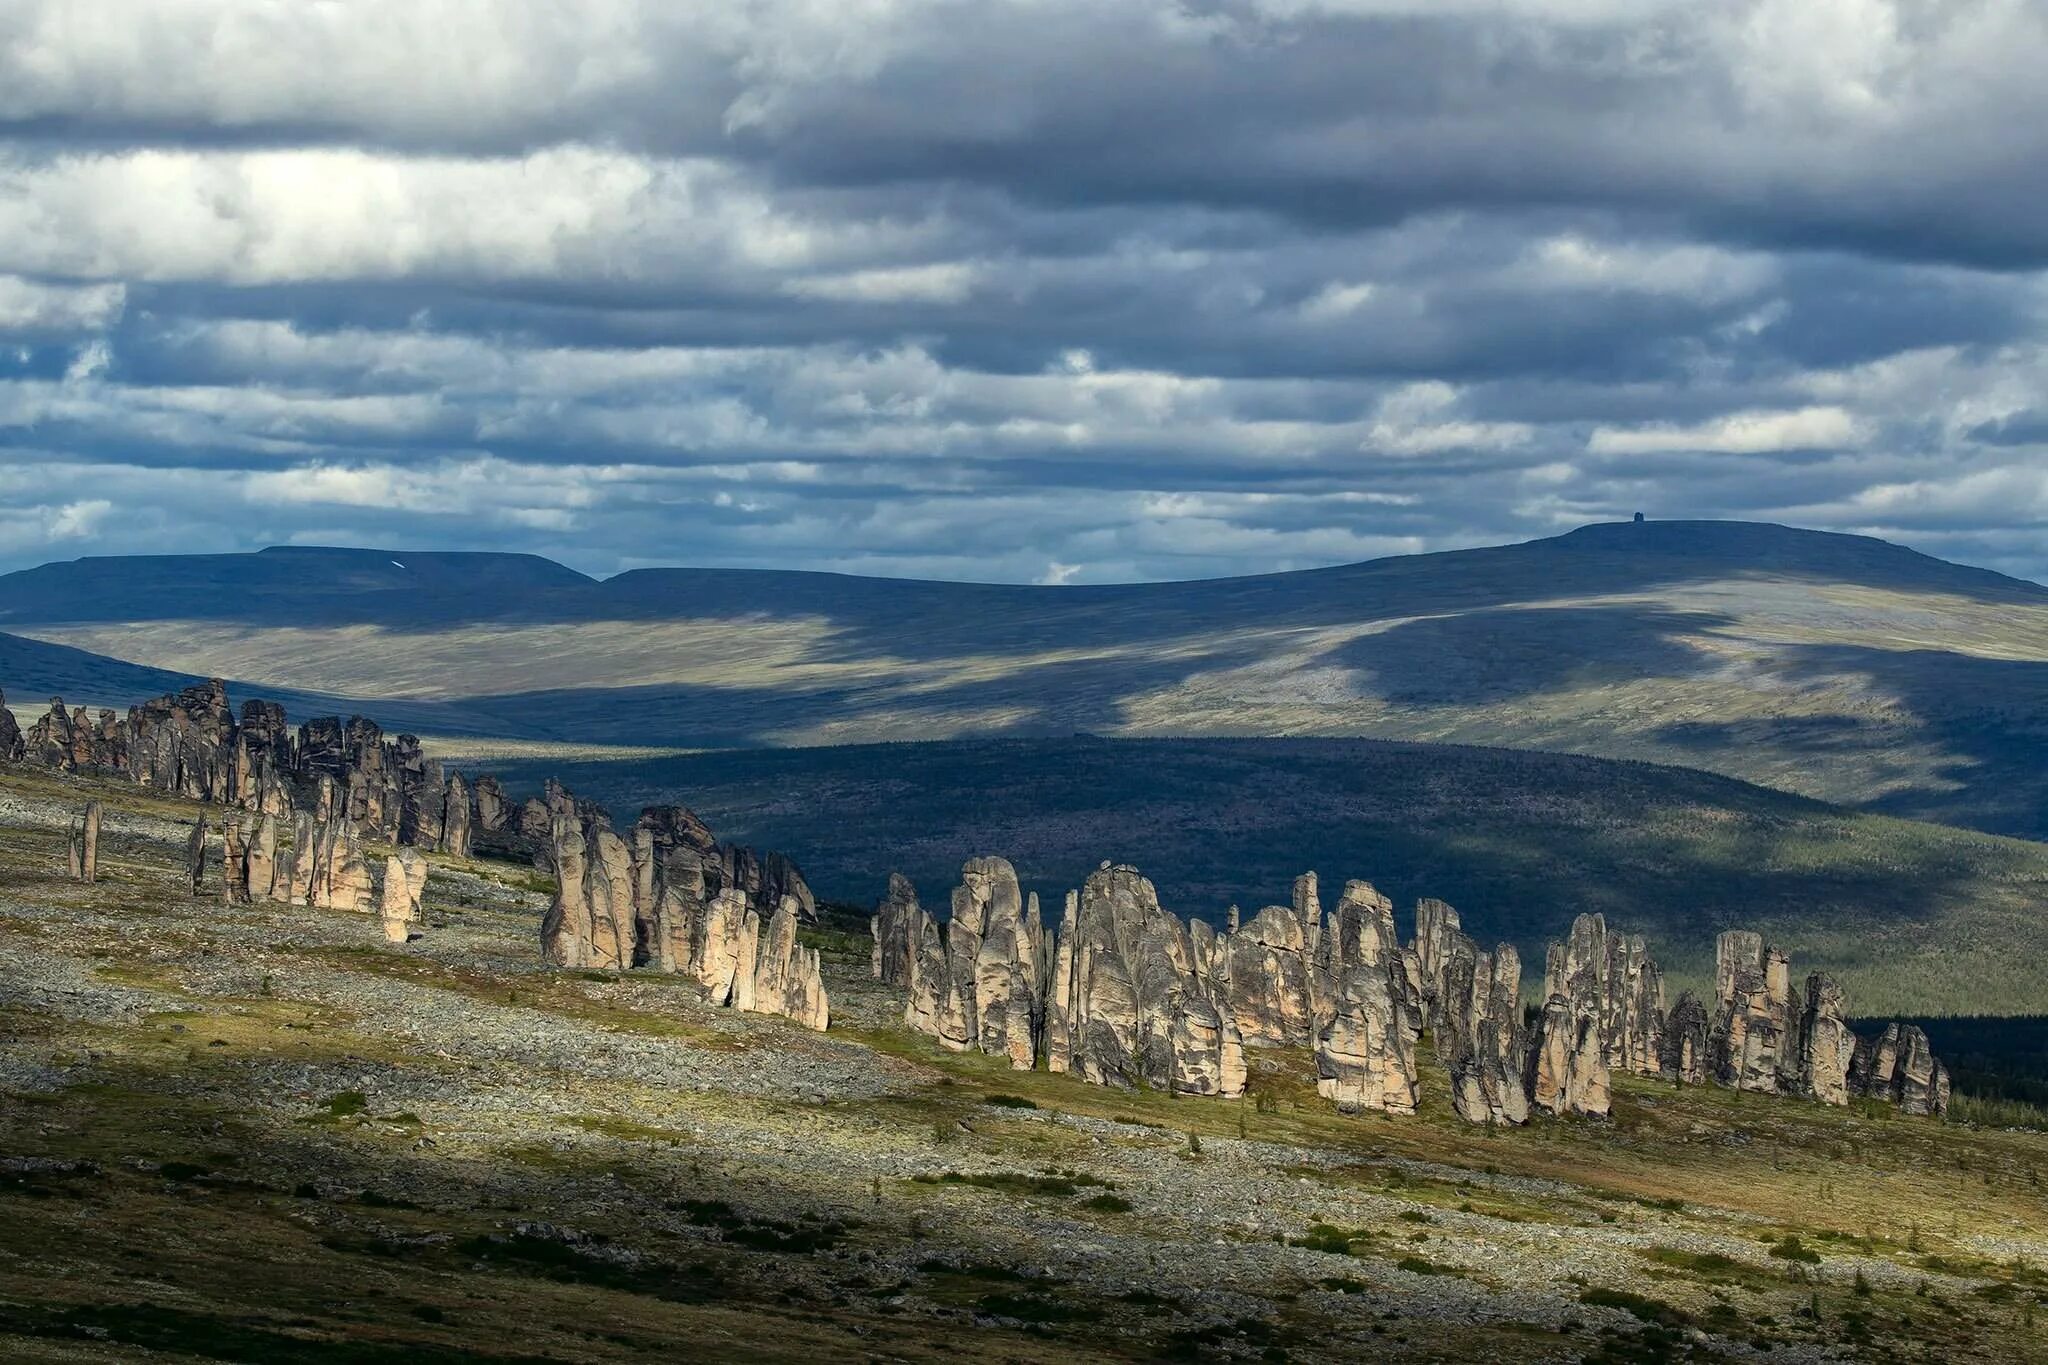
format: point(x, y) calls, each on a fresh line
point(1834, 666)
point(232, 1210)
point(1911, 916)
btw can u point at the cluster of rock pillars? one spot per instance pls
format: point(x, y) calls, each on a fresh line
point(297, 808)
point(1126, 993)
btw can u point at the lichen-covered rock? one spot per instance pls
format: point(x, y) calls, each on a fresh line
point(1479, 1035)
point(13, 748)
point(234, 862)
point(1687, 1057)
point(895, 926)
point(1822, 1042)
point(259, 862)
point(788, 977)
point(1133, 1007)
point(1264, 978)
point(996, 953)
point(84, 850)
point(1365, 1051)
point(405, 883)
point(1753, 986)
point(195, 855)
point(590, 922)
point(1899, 1067)
point(1567, 1072)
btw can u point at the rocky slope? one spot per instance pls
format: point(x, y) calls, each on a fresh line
point(266, 1132)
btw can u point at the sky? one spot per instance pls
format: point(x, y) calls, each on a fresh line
point(1024, 290)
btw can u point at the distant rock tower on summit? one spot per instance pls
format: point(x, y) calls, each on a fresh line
point(1639, 518)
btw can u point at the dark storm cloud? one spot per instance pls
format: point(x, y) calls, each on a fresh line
point(1041, 289)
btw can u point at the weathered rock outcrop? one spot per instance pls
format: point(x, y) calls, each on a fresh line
point(1899, 1067)
point(341, 874)
point(1479, 1032)
point(1263, 971)
point(1586, 1021)
point(260, 863)
point(1822, 1043)
point(1365, 1050)
point(1129, 1004)
point(1567, 1073)
point(195, 855)
point(590, 921)
point(460, 818)
point(234, 863)
point(12, 746)
point(1688, 1052)
point(1753, 1019)
point(84, 849)
point(763, 877)
point(184, 743)
point(648, 904)
point(405, 882)
point(996, 952)
point(896, 925)
point(1613, 977)
point(788, 977)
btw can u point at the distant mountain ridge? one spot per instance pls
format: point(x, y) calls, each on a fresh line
point(339, 585)
point(1836, 666)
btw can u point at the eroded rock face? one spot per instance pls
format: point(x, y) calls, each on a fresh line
point(1365, 1051)
point(1130, 1004)
point(341, 874)
point(195, 855)
point(590, 923)
point(1263, 974)
point(1899, 1067)
point(1613, 977)
point(1567, 1073)
point(12, 746)
point(405, 883)
point(1479, 1033)
point(260, 869)
point(788, 977)
point(184, 743)
point(1580, 1031)
point(1688, 1052)
point(1753, 987)
point(234, 863)
point(84, 848)
point(996, 950)
point(459, 819)
point(1823, 1043)
point(895, 926)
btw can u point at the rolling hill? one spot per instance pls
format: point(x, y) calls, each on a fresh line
point(1838, 667)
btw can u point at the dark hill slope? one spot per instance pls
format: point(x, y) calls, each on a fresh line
point(1837, 666)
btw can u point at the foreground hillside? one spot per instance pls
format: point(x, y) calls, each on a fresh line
point(1834, 666)
point(1910, 917)
point(262, 1133)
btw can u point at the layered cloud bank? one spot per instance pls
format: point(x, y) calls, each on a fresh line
point(1045, 289)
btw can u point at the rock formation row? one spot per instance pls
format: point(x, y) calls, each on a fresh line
point(192, 744)
point(1127, 993)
